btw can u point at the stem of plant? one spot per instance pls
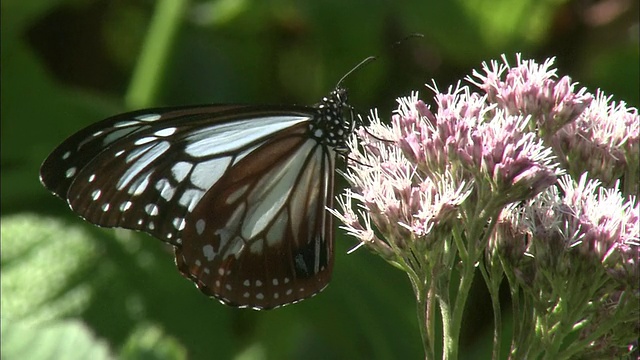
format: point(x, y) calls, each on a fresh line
point(493, 285)
point(148, 74)
point(424, 321)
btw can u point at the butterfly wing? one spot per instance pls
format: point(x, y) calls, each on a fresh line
point(240, 191)
point(270, 240)
point(85, 145)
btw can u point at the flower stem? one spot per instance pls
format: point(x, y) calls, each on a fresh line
point(420, 283)
point(449, 343)
point(452, 336)
point(425, 321)
point(147, 75)
point(493, 285)
point(517, 320)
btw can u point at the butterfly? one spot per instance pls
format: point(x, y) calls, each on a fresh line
point(240, 191)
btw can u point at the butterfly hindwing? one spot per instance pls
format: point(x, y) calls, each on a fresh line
point(269, 241)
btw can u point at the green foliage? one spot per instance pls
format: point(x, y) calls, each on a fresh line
point(149, 342)
point(70, 290)
point(35, 288)
point(60, 339)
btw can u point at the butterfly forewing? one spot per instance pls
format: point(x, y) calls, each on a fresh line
point(240, 191)
point(62, 166)
point(132, 174)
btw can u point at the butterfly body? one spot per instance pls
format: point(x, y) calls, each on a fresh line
point(240, 191)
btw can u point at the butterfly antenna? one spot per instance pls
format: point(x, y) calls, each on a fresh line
point(361, 64)
point(410, 36)
point(372, 58)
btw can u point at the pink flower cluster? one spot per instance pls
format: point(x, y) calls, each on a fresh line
point(475, 181)
point(532, 89)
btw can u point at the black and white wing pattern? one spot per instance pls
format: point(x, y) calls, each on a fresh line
point(239, 191)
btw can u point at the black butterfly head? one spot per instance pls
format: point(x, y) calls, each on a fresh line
point(334, 121)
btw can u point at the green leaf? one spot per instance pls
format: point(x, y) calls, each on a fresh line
point(68, 339)
point(149, 342)
point(41, 262)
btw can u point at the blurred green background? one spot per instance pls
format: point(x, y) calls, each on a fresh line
point(74, 291)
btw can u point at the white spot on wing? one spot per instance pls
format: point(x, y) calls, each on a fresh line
point(140, 185)
point(92, 177)
point(200, 224)
point(125, 206)
point(66, 155)
point(221, 138)
point(142, 163)
point(95, 195)
point(180, 170)
point(208, 252)
point(208, 172)
point(126, 123)
point(70, 172)
point(136, 152)
point(190, 198)
point(165, 132)
point(179, 223)
point(145, 140)
point(105, 207)
point(115, 135)
point(148, 117)
point(235, 248)
point(257, 247)
point(151, 209)
point(165, 188)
